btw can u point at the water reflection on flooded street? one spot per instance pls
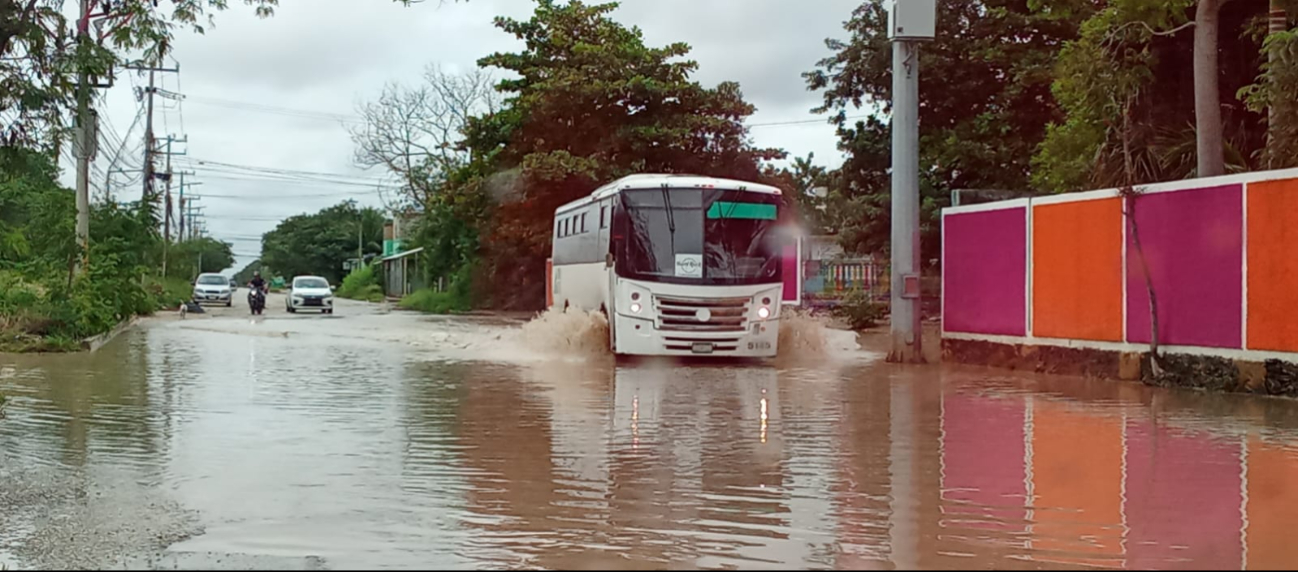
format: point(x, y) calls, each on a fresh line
point(396, 441)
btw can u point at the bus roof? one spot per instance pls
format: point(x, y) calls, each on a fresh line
point(653, 181)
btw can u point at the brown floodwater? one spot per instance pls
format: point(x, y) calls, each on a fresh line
point(396, 441)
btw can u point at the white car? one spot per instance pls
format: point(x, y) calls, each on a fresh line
point(213, 288)
point(310, 293)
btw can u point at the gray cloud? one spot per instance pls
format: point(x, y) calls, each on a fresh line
point(273, 93)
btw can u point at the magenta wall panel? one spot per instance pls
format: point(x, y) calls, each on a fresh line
point(984, 275)
point(1194, 246)
point(792, 273)
point(1183, 499)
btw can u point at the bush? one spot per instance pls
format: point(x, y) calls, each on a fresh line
point(362, 284)
point(433, 302)
point(859, 310)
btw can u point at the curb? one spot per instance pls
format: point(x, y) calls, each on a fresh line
point(93, 343)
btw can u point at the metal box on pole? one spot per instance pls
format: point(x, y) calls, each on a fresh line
point(912, 19)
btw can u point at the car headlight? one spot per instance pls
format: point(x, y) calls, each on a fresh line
point(635, 308)
point(763, 312)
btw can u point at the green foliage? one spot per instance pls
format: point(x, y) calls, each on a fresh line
point(170, 293)
point(362, 284)
point(244, 276)
point(43, 305)
point(860, 310)
point(433, 302)
point(1273, 93)
point(318, 244)
point(1126, 87)
point(993, 62)
point(183, 258)
point(638, 111)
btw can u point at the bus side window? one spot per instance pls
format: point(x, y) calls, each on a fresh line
point(583, 222)
point(603, 216)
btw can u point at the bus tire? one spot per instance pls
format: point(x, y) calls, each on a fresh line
point(612, 331)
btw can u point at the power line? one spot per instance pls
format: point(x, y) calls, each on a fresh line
point(277, 196)
point(306, 182)
point(283, 171)
point(348, 118)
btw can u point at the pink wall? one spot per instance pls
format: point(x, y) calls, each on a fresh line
point(984, 276)
point(1193, 242)
point(792, 273)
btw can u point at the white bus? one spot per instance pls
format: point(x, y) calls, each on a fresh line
point(681, 265)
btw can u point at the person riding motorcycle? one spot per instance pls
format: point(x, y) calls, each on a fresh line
point(258, 283)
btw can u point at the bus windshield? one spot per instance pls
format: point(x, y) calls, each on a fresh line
point(699, 236)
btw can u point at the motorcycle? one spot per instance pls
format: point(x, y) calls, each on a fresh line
point(256, 301)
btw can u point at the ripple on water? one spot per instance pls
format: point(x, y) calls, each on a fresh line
point(399, 441)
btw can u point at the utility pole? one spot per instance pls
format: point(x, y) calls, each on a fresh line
point(166, 221)
point(909, 23)
point(183, 202)
point(85, 131)
point(150, 143)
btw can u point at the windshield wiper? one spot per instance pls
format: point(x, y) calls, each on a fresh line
point(671, 217)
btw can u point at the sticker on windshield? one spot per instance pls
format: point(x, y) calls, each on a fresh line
point(689, 265)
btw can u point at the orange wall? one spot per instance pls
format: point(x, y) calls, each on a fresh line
point(1077, 472)
point(1077, 270)
point(1272, 266)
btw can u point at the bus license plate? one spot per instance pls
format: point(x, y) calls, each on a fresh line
point(702, 348)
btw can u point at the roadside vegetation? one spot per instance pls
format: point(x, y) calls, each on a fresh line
point(47, 303)
point(362, 284)
point(1040, 97)
point(859, 310)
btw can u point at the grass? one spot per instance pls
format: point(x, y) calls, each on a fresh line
point(362, 284)
point(172, 292)
point(433, 302)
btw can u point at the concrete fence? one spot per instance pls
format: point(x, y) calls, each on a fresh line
point(1063, 270)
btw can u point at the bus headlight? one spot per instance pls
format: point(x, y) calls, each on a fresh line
point(635, 308)
point(763, 312)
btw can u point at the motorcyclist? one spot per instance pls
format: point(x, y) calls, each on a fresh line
point(257, 282)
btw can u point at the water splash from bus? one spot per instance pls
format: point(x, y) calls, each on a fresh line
point(568, 334)
point(581, 335)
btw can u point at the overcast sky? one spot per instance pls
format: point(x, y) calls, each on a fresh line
point(274, 94)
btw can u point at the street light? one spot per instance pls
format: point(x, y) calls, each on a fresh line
point(909, 23)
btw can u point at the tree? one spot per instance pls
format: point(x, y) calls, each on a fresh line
point(318, 244)
point(245, 275)
point(1272, 92)
point(589, 102)
point(1207, 90)
point(1144, 51)
point(414, 132)
point(188, 259)
point(985, 102)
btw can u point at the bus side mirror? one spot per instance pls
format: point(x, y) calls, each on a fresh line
point(608, 260)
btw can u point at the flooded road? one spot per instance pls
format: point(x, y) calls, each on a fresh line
point(390, 440)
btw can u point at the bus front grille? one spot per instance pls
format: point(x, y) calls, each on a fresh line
point(682, 314)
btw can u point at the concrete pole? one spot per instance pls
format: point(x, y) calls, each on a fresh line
point(84, 134)
point(907, 334)
point(148, 143)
